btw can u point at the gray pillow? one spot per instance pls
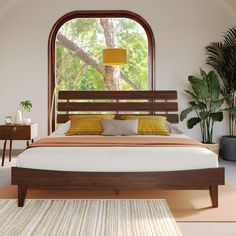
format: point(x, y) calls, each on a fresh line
point(172, 129)
point(119, 127)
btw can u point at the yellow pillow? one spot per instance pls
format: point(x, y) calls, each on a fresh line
point(90, 124)
point(149, 124)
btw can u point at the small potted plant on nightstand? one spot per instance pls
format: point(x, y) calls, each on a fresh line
point(26, 105)
point(206, 103)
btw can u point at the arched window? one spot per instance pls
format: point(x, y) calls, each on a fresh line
point(75, 49)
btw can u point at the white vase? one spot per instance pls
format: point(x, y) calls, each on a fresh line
point(18, 117)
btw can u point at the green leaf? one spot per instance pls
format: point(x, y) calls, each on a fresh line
point(203, 74)
point(193, 121)
point(204, 115)
point(26, 105)
point(197, 105)
point(216, 105)
point(231, 110)
point(185, 112)
point(213, 85)
point(192, 94)
point(194, 105)
point(199, 87)
point(201, 105)
point(217, 116)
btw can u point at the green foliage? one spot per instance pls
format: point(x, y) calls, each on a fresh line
point(74, 74)
point(199, 87)
point(26, 105)
point(206, 104)
point(231, 110)
point(193, 121)
point(222, 57)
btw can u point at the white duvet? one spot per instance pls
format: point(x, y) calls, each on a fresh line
point(118, 159)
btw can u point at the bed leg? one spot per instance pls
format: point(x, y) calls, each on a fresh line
point(22, 190)
point(214, 195)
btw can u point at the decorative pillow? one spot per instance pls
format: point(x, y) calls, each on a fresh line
point(149, 124)
point(62, 129)
point(119, 127)
point(86, 124)
point(172, 128)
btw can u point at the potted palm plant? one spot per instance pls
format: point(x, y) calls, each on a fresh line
point(206, 104)
point(222, 57)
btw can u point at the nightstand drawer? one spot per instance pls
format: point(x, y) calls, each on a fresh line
point(18, 132)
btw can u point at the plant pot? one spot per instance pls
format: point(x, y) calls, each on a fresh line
point(214, 147)
point(228, 148)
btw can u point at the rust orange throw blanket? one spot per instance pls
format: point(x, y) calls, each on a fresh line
point(114, 141)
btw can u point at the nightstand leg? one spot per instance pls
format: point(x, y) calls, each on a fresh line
point(10, 150)
point(4, 152)
point(32, 140)
point(27, 143)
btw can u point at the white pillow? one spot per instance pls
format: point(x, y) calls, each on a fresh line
point(63, 128)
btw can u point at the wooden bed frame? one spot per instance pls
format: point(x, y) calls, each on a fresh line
point(118, 102)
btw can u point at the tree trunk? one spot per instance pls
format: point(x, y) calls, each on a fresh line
point(112, 72)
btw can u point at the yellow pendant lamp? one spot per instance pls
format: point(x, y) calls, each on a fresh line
point(114, 56)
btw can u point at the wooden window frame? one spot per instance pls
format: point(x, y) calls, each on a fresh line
point(93, 14)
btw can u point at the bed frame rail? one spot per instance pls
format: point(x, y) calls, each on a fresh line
point(185, 179)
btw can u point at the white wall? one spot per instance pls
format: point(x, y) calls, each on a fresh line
point(182, 29)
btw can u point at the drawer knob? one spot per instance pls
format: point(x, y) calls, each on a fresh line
point(14, 129)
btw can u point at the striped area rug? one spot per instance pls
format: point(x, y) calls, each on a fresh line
point(87, 218)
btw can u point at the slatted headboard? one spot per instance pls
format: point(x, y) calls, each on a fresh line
point(117, 102)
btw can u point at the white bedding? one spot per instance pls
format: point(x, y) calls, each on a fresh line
point(118, 159)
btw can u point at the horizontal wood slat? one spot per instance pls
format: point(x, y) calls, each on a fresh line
point(121, 106)
point(173, 118)
point(86, 95)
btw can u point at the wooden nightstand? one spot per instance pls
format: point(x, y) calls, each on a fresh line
point(17, 132)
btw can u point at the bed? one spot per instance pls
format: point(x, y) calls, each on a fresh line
point(117, 167)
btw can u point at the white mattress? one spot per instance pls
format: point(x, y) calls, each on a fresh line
point(118, 159)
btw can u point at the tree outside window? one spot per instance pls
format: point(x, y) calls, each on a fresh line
point(79, 45)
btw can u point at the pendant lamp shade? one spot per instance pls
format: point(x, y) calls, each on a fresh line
point(114, 56)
